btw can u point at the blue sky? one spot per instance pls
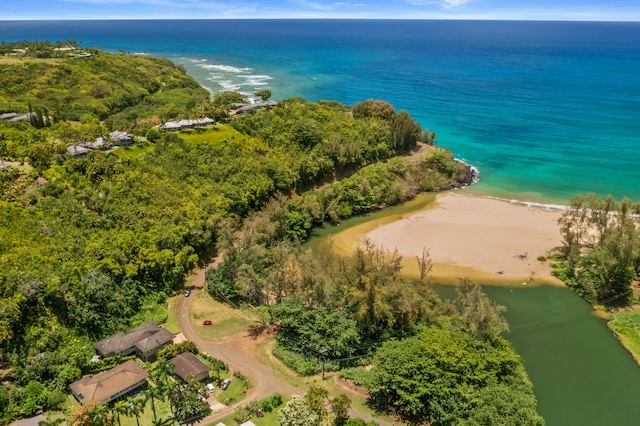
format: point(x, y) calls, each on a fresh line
point(588, 10)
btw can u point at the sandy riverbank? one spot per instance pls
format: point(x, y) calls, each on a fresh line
point(476, 237)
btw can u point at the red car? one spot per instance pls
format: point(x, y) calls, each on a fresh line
point(206, 322)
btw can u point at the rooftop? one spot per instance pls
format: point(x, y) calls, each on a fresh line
point(143, 337)
point(104, 386)
point(187, 364)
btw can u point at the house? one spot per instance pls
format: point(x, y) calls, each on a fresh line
point(187, 364)
point(187, 124)
point(14, 117)
point(77, 150)
point(145, 341)
point(249, 108)
point(121, 138)
point(115, 138)
point(8, 115)
point(248, 423)
point(111, 384)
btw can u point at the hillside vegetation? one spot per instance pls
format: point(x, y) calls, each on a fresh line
point(89, 244)
point(99, 85)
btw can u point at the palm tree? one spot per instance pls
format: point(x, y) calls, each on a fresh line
point(135, 406)
point(163, 373)
point(119, 409)
point(100, 415)
point(51, 422)
point(151, 393)
point(163, 422)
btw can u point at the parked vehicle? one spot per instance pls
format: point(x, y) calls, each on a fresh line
point(187, 293)
point(211, 387)
point(207, 322)
point(225, 384)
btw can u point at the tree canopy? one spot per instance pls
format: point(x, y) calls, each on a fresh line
point(448, 377)
point(601, 247)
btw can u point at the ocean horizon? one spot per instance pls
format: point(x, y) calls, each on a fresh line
point(545, 110)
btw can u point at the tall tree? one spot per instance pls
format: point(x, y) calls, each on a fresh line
point(152, 393)
point(119, 409)
point(440, 377)
point(315, 399)
point(425, 264)
point(340, 405)
point(136, 407)
point(405, 132)
point(479, 315)
point(264, 94)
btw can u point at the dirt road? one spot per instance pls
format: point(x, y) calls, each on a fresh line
point(241, 353)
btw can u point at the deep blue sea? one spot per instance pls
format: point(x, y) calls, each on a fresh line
point(545, 110)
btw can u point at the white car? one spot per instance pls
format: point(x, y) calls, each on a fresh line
point(225, 384)
point(211, 387)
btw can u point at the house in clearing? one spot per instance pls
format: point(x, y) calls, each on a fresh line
point(187, 364)
point(145, 341)
point(111, 384)
point(250, 108)
point(14, 117)
point(121, 138)
point(187, 124)
point(116, 138)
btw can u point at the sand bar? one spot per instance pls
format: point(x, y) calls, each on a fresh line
point(481, 234)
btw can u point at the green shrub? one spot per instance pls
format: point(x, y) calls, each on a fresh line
point(242, 414)
point(359, 376)
point(269, 403)
point(297, 362)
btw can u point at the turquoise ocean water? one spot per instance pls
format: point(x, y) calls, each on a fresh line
point(545, 110)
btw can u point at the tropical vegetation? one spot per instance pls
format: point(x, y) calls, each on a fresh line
point(600, 259)
point(91, 245)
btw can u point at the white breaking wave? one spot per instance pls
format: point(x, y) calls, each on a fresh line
point(530, 204)
point(225, 68)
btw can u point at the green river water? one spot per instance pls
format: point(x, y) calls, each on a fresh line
point(581, 374)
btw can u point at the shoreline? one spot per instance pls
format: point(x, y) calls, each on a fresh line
point(483, 238)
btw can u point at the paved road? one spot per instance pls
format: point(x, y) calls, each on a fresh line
point(241, 353)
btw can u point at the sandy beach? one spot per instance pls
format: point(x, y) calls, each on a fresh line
point(472, 235)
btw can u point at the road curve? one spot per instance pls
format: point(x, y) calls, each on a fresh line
point(241, 353)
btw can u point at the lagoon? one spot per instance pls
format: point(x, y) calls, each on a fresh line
point(581, 374)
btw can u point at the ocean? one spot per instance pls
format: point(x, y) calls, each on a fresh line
point(545, 110)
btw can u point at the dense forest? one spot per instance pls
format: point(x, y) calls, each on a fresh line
point(93, 244)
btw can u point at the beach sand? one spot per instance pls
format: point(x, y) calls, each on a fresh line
point(476, 237)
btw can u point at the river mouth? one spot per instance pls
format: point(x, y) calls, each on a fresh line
point(581, 374)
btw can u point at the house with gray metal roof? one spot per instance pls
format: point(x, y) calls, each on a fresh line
point(187, 364)
point(145, 341)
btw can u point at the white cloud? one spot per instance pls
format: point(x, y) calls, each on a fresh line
point(448, 4)
point(318, 6)
point(445, 4)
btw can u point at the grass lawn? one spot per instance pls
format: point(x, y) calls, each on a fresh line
point(218, 135)
point(133, 151)
point(224, 319)
point(269, 419)
point(171, 323)
point(233, 394)
point(146, 418)
point(626, 325)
